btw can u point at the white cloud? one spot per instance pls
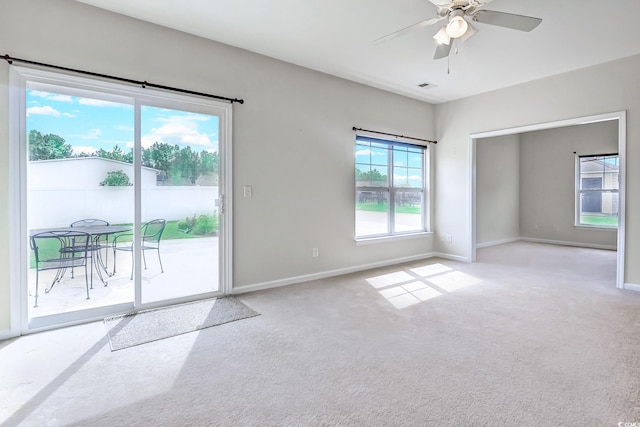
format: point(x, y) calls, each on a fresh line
point(176, 133)
point(87, 149)
point(368, 151)
point(44, 111)
point(92, 134)
point(185, 119)
point(99, 103)
point(68, 115)
point(61, 98)
point(51, 96)
point(38, 93)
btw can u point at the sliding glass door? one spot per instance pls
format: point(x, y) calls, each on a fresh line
point(179, 205)
point(122, 198)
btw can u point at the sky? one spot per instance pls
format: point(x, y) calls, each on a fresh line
point(89, 124)
point(407, 170)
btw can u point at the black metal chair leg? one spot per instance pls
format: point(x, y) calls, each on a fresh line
point(160, 259)
point(37, 276)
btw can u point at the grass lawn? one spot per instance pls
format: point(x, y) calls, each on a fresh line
point(48, 248)
point(384, 207)
point(604, 220)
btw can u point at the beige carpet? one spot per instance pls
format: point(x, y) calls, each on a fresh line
point(530, 335)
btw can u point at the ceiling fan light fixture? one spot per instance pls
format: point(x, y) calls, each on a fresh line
point(442, 37)
point(456, 27)
point(470, 31)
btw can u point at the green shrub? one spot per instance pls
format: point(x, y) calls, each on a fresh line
point(206, 224)
point(187, 225)
point(116, 179)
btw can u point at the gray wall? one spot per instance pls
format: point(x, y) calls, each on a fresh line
point(497, 189)
point(292, 139)
point(525, 185)
point(547, 182)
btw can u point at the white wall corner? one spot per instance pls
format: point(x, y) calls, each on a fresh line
point(459, 258)
point(497, 242)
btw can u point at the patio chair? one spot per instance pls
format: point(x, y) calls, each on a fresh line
point(151, 233)
point(96, 243)
point(59, 250)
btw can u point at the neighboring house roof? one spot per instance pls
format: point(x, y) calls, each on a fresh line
point(93, 158)
point(598, 166)
point(82, 172)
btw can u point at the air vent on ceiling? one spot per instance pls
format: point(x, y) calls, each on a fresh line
point(425, 85)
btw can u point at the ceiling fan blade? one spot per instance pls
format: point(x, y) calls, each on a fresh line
point(470, 3)
point(439, 3)
point(408, 29)
point(507, 20)
point(442, 50)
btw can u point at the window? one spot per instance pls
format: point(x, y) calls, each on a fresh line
point(390, 187)
point(597, 185)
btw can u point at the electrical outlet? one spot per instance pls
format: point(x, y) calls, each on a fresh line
point(449, 238)
point(555, 227)
point(248, 191)
point(314, 253)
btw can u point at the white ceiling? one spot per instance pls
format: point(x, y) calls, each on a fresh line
point(335, 37)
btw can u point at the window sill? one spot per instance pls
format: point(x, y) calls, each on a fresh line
point(595, 227)
point(383, 239)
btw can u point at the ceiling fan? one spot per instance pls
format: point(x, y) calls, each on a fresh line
point(459, 14)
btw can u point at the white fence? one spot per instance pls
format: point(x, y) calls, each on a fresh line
point(56, 207)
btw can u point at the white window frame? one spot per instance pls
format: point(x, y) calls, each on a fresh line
point(391, 190)
point(580, 191)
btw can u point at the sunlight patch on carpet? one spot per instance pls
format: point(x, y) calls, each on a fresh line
point(141, 327)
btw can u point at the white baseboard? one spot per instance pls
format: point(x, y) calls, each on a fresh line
point(632, 287)
point(563, 243)
point(497, 242)
point(6, 334)
point(451, 257)
point(325, 274)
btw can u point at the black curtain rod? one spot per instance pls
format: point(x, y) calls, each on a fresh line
point(397, 136)
point(144, 84)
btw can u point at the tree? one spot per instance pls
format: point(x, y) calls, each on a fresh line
point(49, 146)
point(208, 162)
point(115, 154)
point(373, 176)
point(177, 166)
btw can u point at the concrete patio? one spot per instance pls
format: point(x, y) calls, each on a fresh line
point(190, 268)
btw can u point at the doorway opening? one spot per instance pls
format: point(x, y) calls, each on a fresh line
point(619, 118)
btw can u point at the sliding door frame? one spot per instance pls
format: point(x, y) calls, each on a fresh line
point(18, 154)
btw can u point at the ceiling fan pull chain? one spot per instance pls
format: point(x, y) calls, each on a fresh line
point(448, 64)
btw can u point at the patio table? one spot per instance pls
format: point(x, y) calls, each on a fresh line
point(96, 232)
